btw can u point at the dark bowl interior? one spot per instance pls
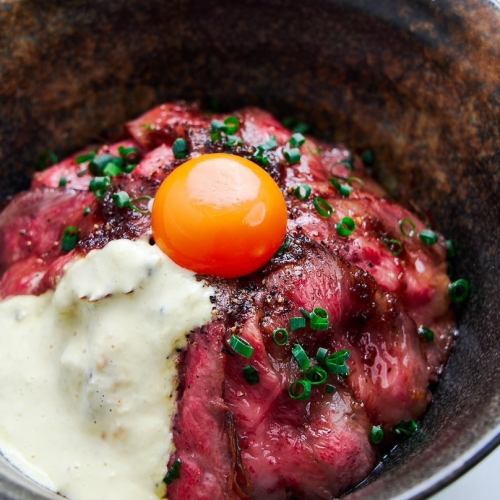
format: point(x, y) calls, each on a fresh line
point(418, 81)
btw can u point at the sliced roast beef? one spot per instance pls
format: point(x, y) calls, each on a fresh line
point(379, 284)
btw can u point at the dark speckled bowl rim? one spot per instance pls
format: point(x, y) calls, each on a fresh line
point(456, 469)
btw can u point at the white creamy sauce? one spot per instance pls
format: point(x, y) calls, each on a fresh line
point(88, 372)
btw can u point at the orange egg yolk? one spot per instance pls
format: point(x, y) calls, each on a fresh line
point(220, 215)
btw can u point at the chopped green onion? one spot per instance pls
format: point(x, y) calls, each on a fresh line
point(407, 227)
point(316, 375)
point(351, 180)
point(459, 290)
point(301, 128)
point(129, 167)
point(86, 211)
point(99, 185)
point(70, 238)
point(251, 375)
point(292, 155)
point(345, 227)
point(112, 170)
point(450, 249)
point(241, 346)
point(321, 354)
point(284, 246)
point(297, 140)
point(231, 125)
point(428, 237)
point(305, 313)
point(86, 157)
point(394, 246)
point(268, 145)
point(426, 333)
point(122, 200)
point(368, 157)
point(336, 363)
point(233, 140)
point(216, 129)
point(302, 191)
point(297, 323)
point(126, 153)
point(330, 389)
point(45, 159)
point(301, 357)
point(348, 162)
point(97, 164)
point(376, 434)
point(322, 207)
point(301, 389)
point(405, 429)
point(174, 472)
point(261, 158)
point(319, 319)
point(344, 189)
point(180, 148)
point(280, 336)
point(63, 182)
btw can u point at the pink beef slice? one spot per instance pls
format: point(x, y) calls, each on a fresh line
point(240, 440)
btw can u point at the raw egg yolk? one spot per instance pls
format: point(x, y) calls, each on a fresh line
point(219, 214)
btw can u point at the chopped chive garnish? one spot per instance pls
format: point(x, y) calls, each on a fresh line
point(426, 333)
point(129, 167)
point(251, 375)
point(407, 227)
point(355, 180)
point(86, 211)
point(330, 389)
point(284, 246)
point(343, 189)
point(297, 140)
point(394, 246)
point(319, 319)
point(180, 148)
point(405, 429)
point(130, 153)
point(233, 140)
point(280, 336)
point(97, 164)
point(292, 155)
point(348, 162)
point(459, 290)
point(174, 472)
point(376, 434)
point(86, 157)
point(301, 389)
point(301, 128)
point(216, 129)
point(302, 192)
point(63, 182)
point(112, 170)
point(428, 237)
point(297, 323)
point(301, 357)
point(305, 313)
point(241, 346)
point(270, 144)
point(122, 200)
point(321, 354)
point(70, 238)
point(345, 227)
point(231, 125)
point(316, 375)
point(451, 249)
point(261, 158)
point(322, 207)
point(336, 363)
point(99, 185)
point(368, 157)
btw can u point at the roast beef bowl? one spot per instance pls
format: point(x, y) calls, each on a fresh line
point(248, 250)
